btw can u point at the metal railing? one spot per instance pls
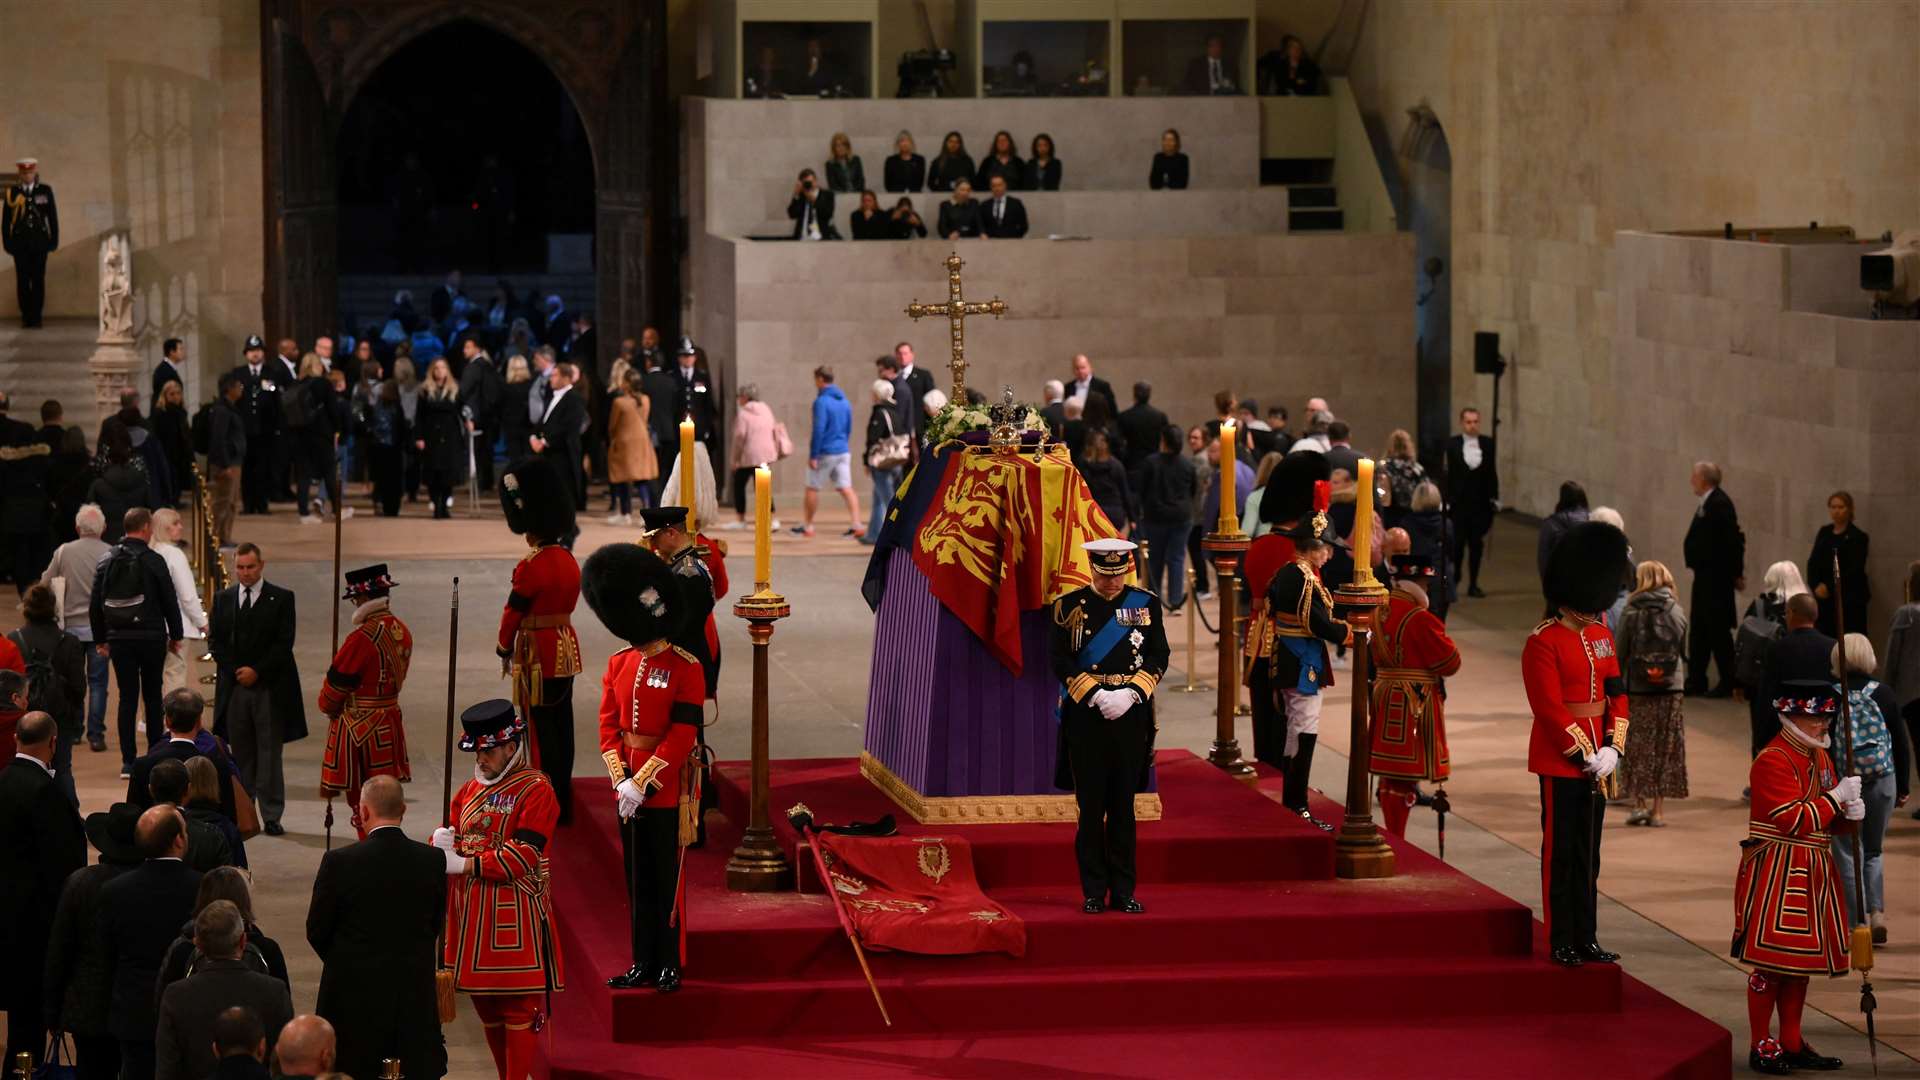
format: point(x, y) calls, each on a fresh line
point(203, 555)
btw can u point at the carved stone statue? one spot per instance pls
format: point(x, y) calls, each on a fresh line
point(116, 289)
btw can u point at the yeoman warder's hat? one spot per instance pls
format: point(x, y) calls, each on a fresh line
point(368, 582)
point(1586, 568)
point(537, 500)
point(632, 592)
point(1418, 569)
point(1111, 558)
point(1807, 697)
point(489, 724)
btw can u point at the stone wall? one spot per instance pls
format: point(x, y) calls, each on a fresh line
point(146, 119)
point(1714, 359)
point(1571, 120)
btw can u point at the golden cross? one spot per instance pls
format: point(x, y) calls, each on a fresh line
point(956, 310)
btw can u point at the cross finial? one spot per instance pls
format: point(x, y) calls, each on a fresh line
point(956, 309)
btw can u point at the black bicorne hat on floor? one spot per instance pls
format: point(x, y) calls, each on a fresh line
point(1586, 567)
point(537, 499)
point(632, 592)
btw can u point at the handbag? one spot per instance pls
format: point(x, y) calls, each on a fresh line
point(246, 816)
point(782, 442)
point(892, 452)
point(57, 1063)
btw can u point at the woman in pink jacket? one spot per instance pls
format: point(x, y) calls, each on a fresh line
point(755, 442)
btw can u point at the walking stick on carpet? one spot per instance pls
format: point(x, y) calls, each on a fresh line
point(846, 924)
point(442, 975)
point(1862, 935)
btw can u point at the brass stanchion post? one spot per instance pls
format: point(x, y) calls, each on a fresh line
point(1225, 547)
point(758, 864)
point(1194, 681)
point(1360, 851)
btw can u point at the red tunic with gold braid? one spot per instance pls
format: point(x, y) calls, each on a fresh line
point(1566, 673)
point(536, 626)
point(361, 696)
point(715, 558)
point(1788, 912)
point(650, 713)
point(1411, 654)
point(500, 932)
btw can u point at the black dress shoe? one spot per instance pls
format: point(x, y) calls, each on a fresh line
point(1768, 1059)
point(1129, 905)
point(1568, 956)
point(1808, 1058)
point(1474, 591)
point(630, 978)
point(274, 828)
point(96, 744)
point(1597, 955)
point(1092, 906)
point(668, 980)
point(1314, 821)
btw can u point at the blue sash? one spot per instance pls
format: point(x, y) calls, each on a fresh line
point(1312, 655)
point(1108, 636)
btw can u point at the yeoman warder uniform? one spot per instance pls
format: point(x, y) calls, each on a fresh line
point(1579, 704)
point(1412, 657)
point(501, 944)
point(1109, 652)
point(1303, 625)
point(536, 643)
point(1789, 914)
point(361, 693)
point(650, 714)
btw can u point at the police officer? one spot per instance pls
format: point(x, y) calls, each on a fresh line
point(30, 228)
point(1109, 650)
point(698, 399)
point(259, 405)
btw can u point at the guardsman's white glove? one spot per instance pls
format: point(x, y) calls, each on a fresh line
point(630, 797)
point(1603, 762)
point(1114, 704)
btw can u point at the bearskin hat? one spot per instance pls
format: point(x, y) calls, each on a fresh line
point(537, 499)
point(1586, 567)
point(1289, 491)
point(632, 591)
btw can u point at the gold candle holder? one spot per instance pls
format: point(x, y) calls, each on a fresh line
point(1359, 850)
point(1225, 547)
point(758, 864)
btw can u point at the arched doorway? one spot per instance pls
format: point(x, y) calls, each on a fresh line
point(1429, 173)
point(608, 56)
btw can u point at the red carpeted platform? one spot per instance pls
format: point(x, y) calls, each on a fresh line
point(1251, 960)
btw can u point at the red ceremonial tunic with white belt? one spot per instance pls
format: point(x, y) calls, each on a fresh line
point(361, 696)
point(1789, 915)
point(500, 932)
point(1411, 654)
point(536, 626)
point(1566, 673)
point(650, 713)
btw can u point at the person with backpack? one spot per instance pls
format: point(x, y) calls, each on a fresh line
point(136, 619)
point(1651, 639)
point(56, 669)
point(308, 414)
point(1881, 758)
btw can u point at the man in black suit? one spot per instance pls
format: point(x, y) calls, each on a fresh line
point(183, 709)
point(240, 1044)
point(811, 209)
point(663, 407)
point(141, 912)
point(173, 355)
point(1802, 653)
point(1716, 552)
point(1054, 411)
point(1141, 426)
point(1085, 382)
point(258, 707)
point(888, 368)
point(1473, 493)
point(1212, 73)
point(1003, 217)
point(919, 383)
point(557, 435)
point(41, 842)
point(482, 389)
point(377, 909)
point(220, 979)
point(305, 1049)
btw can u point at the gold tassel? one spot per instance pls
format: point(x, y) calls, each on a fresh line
point(444, 995)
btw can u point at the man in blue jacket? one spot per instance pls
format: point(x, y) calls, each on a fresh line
point(829, 461)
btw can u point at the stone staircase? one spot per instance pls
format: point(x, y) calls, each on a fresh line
point(51, 362)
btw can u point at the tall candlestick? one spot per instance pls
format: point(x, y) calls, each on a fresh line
point(1229, 458)
point(1363, 523)
point(686, 474)
point(762, 528)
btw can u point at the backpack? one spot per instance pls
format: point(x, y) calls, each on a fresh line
point(124, 593)
point(1655, 663)
point(1753, 645)
point(202, 430)
point(44, 688)
point(296, 407)
point(1872, 743)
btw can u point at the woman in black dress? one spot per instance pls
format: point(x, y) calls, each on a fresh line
point(845, 174)
point(314, 442)
point(516, 425)
point(1001, 161)
point(1043, 169)
point(173, 428)
point(1107, 481)
point(1844, 538)
point(952, 165)
point(1169, 165)
point(869, 223)
point(438, 439)
point(905, 170)
point(906, 221)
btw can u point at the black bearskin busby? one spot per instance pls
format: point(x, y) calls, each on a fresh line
point(1289, 491)
point(1586, 568)
point(632, 592)
point(537, 499)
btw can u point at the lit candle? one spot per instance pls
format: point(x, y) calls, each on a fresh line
point(762, 527)
point(1363, 523)
point(686, 474)
point(1229, 457)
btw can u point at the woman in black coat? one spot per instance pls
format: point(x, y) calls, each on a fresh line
point(313, 441)
point(904, 170)
point(960, 215)
point(261, 954)
point(173, 428)
point(1169, 169)
point(1107, 482)
point(1043, 169)
point(1845, 539)
point(121, 485)
point(869, 223)
point(952, 165)
point(438, 436)
point(1002, 161)
point(1430, 533)
point(387, 437)
point(68, 478)
point(516, 426)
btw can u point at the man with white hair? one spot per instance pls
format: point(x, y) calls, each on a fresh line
point(73, 564)
point(1054, 411)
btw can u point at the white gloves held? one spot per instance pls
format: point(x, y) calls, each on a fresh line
point(1846, 791)
point(456, 864)
point(443, 838)
point(1603, 762)
point(630, 797)
point(1114, 704)
point(1854, 809)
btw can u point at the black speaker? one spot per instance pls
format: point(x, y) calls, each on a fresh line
point(1486, 353)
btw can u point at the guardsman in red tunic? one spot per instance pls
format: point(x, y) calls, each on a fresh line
point(361, 694)
point(501, 945)
point(1789, 914)
point(1288, 498)
point(699, 566)
point(650, 715)
point(1412, 655)
point(536, 644)
point(1579, 707)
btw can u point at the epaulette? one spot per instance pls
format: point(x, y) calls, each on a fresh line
point(617, 652)
point(1544, 623)
point(684, 654)
point(719, 546)
point(1144, 589)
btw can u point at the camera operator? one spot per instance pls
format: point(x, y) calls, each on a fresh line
point(811, 209)
point(906, 221)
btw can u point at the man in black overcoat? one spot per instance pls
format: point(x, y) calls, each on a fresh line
point(1716, 552)
point(41, 842)
point(258, 707)
point(141, 912)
